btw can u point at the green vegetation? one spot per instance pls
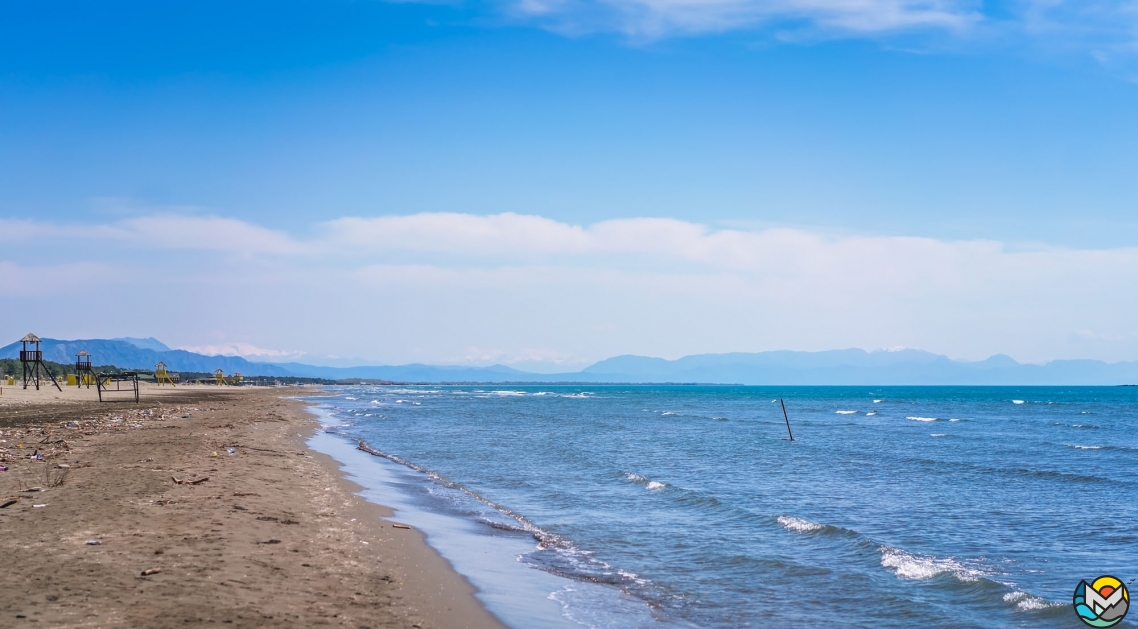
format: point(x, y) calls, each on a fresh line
point(11, 366)
point(207, 378)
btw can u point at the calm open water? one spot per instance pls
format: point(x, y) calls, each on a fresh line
point(661, 506)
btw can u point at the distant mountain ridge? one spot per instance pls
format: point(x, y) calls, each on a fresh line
point(127, 354)
point(859, 367)
point(834, 367)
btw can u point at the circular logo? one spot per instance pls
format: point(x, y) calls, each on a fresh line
point(1103, 603)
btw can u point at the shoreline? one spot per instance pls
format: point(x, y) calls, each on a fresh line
point(433, 588)
point(490, 545)
point(270, 535)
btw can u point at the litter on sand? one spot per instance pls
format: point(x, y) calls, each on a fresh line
point(400, 526)
point(186, 481)
point(150, 571)
point(39, 506)
point(94, 542)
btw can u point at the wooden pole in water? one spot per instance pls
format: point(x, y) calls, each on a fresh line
point(786, 418)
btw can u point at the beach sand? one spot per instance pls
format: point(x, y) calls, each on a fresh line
point(270, 536)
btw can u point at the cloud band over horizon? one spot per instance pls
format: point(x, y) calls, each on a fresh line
point(518, 288)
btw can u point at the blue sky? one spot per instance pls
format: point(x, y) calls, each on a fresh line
point(551, 182)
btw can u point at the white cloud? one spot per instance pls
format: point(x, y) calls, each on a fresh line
point(1107, 30)
point(161, 231)
point(459, 233)
point(208, 232)
point(651, 19)
point(244, 350)
point(773, 251)
point(422, 287)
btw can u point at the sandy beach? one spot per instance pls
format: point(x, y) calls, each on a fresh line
point(139, 515)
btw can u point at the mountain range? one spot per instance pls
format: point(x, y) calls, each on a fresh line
point(834, 367)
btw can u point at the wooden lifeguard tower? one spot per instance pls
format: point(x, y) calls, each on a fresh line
point(32, 360)
point(84, 375)
point(161, 376)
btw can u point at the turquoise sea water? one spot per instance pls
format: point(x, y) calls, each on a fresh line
point(661, 506)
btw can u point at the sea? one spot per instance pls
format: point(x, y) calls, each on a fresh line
point(637, 507)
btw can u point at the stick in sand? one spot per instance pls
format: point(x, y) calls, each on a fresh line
point(786, 418)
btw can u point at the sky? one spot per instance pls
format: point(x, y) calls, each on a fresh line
point(547, 183)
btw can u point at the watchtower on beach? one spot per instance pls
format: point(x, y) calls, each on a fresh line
point(84, 375)
point(32, 360)
point(161, 376)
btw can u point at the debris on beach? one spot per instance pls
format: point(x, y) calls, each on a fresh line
point(49, 439)
point(150, 571)
point(186, 481)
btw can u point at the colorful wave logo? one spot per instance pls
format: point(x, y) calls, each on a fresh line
point(1103, 603)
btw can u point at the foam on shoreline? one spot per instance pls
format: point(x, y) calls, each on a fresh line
point(486, 551)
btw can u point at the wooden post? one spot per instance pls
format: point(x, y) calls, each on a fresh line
point(786, 418)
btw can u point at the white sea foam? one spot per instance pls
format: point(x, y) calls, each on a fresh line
point(878, 401)
point(1078, 447)
point(348, 397)
point(651, 485)
point(846, 412)
point(1017, 401)
point(922, 419)
point(871, 413)
point(509, 393)
point(954, 419)
point(666, 413)
point(1026, 602)
point(938, 434)
point(921, 567)
point(797, 525)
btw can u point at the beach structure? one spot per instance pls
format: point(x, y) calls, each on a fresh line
point(32, 361)
point(161, 376)
point(84, 375)
point(219, 378)
point(125, 386)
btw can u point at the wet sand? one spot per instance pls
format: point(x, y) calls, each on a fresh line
point(269, 536)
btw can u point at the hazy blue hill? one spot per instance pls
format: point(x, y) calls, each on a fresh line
point(856, 366)
point(419, 373)
point(128, 355)
point(835, 367)
point(146, 343)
